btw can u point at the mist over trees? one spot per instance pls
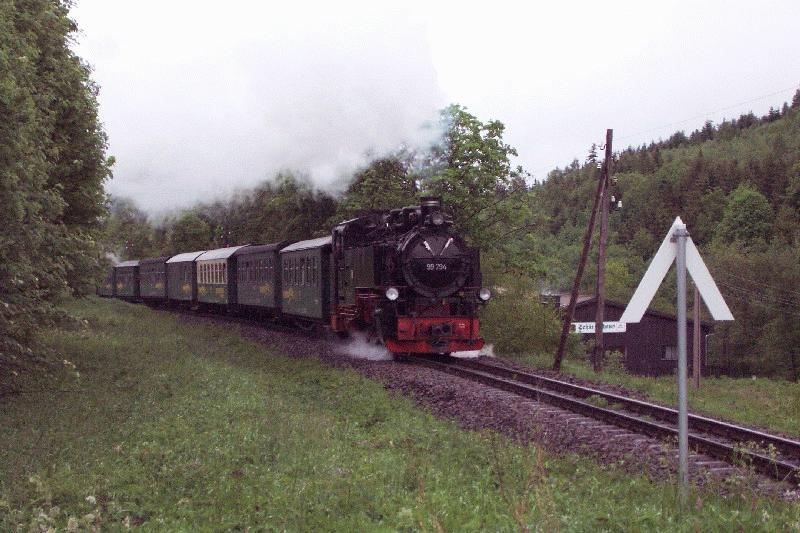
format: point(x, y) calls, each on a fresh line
point(52, 170)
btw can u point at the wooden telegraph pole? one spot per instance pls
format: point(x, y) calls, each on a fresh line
point(599, 348)
point(587, 243)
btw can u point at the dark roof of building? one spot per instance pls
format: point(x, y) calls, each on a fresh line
point(590, 300)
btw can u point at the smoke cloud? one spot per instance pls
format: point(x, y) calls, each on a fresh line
point(358, 347)
point(199, 101)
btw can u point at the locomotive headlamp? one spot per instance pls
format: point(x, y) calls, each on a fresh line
point(392, 293)
point(484, 294)
point(437, 219)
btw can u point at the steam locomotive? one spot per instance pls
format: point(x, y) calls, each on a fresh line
point(403, 277)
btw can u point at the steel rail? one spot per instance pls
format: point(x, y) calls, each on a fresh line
point(696, 422)
point(509, 381)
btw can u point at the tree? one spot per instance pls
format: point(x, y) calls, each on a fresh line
point(747, 218)
point(52, 167)
point(129, 234)
point(470, 169)
point(386, 183)
point(189, 233)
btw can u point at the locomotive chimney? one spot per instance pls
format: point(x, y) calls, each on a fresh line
point(430, 204)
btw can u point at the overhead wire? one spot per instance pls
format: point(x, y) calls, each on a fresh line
point(754, 282)
point(707, 113)
point(759, 295)
point(522, 188)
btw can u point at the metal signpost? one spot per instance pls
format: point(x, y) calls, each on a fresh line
point(678, 246)
point(680, 235)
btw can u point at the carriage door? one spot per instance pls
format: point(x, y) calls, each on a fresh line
point(347, 292)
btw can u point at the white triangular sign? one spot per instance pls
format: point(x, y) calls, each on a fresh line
point(659, 267)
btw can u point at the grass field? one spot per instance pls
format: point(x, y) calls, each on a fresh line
point(772, 404)
point(154, 423)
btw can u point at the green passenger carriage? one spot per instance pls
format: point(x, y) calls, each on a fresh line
point(258, 279)
point(305, 267)
point(153, 278)
point(182, 276)
point(126, 279)
point(216, 276)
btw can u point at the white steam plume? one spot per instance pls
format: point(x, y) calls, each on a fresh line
point(199, 101)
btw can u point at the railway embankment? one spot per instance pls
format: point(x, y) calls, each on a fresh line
point(154, 420)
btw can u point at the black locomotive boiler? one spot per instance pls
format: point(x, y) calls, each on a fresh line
point(404, 277)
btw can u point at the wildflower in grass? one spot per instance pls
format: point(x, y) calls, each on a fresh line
point(91, 500)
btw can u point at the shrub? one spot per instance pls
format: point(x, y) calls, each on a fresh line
point(515, 322)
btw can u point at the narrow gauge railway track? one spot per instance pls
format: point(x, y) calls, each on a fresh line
point(720, 440)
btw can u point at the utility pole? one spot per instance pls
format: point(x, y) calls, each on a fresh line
point(587, 243)
point(599, 348)
point(696, 340)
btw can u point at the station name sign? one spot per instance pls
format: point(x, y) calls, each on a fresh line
point(608, 327)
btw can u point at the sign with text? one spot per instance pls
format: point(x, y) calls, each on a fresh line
point(608, 327)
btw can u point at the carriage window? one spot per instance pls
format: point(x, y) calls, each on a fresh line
point(301, 272)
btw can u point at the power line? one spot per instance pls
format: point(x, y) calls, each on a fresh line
point(759, 295)
point(754, 282)
point(702, 115)
point(524, 187)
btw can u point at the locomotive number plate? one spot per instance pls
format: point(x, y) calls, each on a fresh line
point(436, 266)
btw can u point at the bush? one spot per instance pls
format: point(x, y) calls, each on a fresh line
point(516, 322)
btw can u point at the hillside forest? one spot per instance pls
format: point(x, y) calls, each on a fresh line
point(736, 184)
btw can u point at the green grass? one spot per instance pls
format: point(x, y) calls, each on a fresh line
point(178, 427)
point(763, 402)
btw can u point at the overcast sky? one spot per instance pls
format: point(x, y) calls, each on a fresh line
point(203, 98)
